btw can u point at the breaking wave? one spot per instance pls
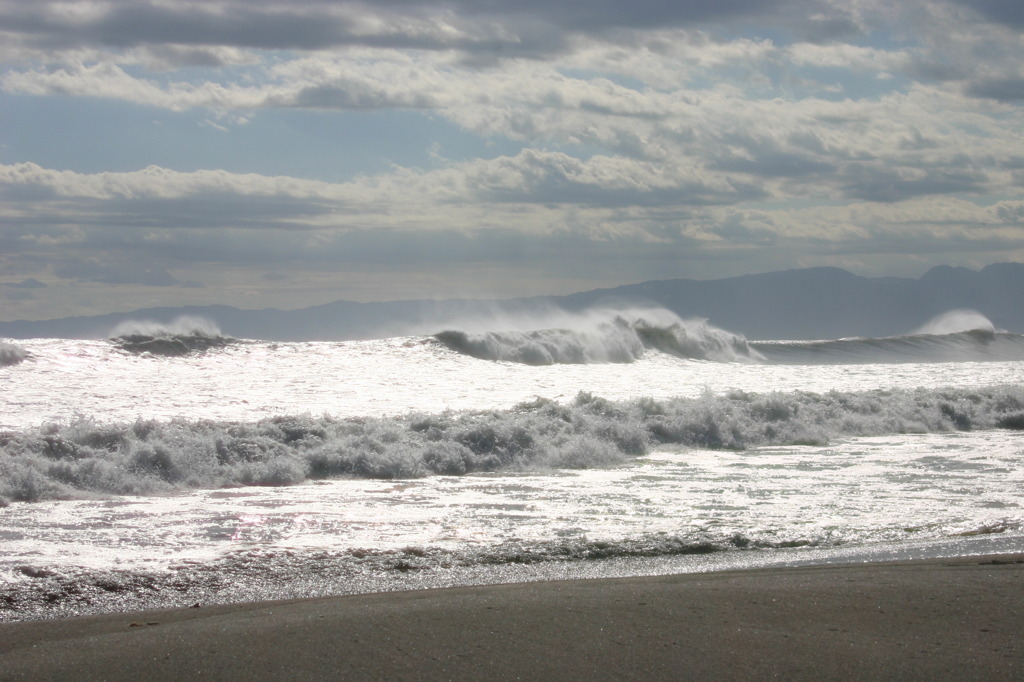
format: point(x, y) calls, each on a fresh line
point(955, 321)
point(183, 336)
point(621, 336)
point(84, 458)
point(603, 337)
point(11, 354)
point(613, 343)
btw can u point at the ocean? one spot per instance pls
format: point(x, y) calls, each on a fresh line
point(172, 465)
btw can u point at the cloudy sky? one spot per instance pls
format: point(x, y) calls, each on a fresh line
point(268, 153)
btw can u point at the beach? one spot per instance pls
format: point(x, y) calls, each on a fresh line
point(949, 618)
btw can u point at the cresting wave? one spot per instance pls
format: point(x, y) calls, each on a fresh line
point(84, 459)
point(183, 336)
point(620, 336)
point(603, 336)
point(11, 354)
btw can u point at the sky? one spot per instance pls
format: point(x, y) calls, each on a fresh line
point(262, 153)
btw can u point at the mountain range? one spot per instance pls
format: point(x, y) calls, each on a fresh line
point(812, 303)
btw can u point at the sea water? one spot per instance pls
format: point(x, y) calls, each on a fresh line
point(179, 466)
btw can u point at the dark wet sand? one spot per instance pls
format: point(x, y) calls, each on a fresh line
point(949, 619)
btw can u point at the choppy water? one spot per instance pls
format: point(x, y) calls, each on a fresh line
point(148, 464)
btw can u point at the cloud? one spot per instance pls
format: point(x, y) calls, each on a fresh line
point(501, 29)
point(30, 283)
point(1006, 12)
point(553, 177)
point(654, 137)
point(156, 183)
point(1003, 89)
point(714, 144)
point(19, 295)
point(159, 196)
point(470, 209)
point(115, 273)
point(776, 163)
point(885, 185)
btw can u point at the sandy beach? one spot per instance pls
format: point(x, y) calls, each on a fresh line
point(959, 618)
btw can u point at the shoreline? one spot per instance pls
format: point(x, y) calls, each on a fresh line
point(49, 594)
point(935, 618)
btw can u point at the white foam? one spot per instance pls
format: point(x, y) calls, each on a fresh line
point(955, 321)
point(11, 354)
point(84, 457)
point(182, 326)
point(597, 336)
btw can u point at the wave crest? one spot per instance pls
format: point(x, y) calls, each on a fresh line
point(955, 321)
point(11, 354)
point(608, 343)
point(183, 336)
point(697, 340)
point(604, 336)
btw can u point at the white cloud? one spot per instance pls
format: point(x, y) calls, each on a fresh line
point(156, 182)
point(933, 128)
point(608, 190)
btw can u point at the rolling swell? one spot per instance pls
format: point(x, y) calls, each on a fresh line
point(84, 458)
point(617, 340)
point(953, 336)
point(976, 345)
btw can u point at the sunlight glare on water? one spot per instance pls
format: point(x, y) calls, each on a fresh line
point(395, 376)
point(861, 490)
point(136, 474)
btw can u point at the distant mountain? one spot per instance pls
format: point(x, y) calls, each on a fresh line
point(814, 303)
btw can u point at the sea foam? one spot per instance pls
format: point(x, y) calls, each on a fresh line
point(84, 458)
point(955, 321)
point(11, 354)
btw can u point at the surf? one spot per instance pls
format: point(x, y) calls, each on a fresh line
point(602, 336)
point(184, 336)
point(85, 458)
point(11, 354)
